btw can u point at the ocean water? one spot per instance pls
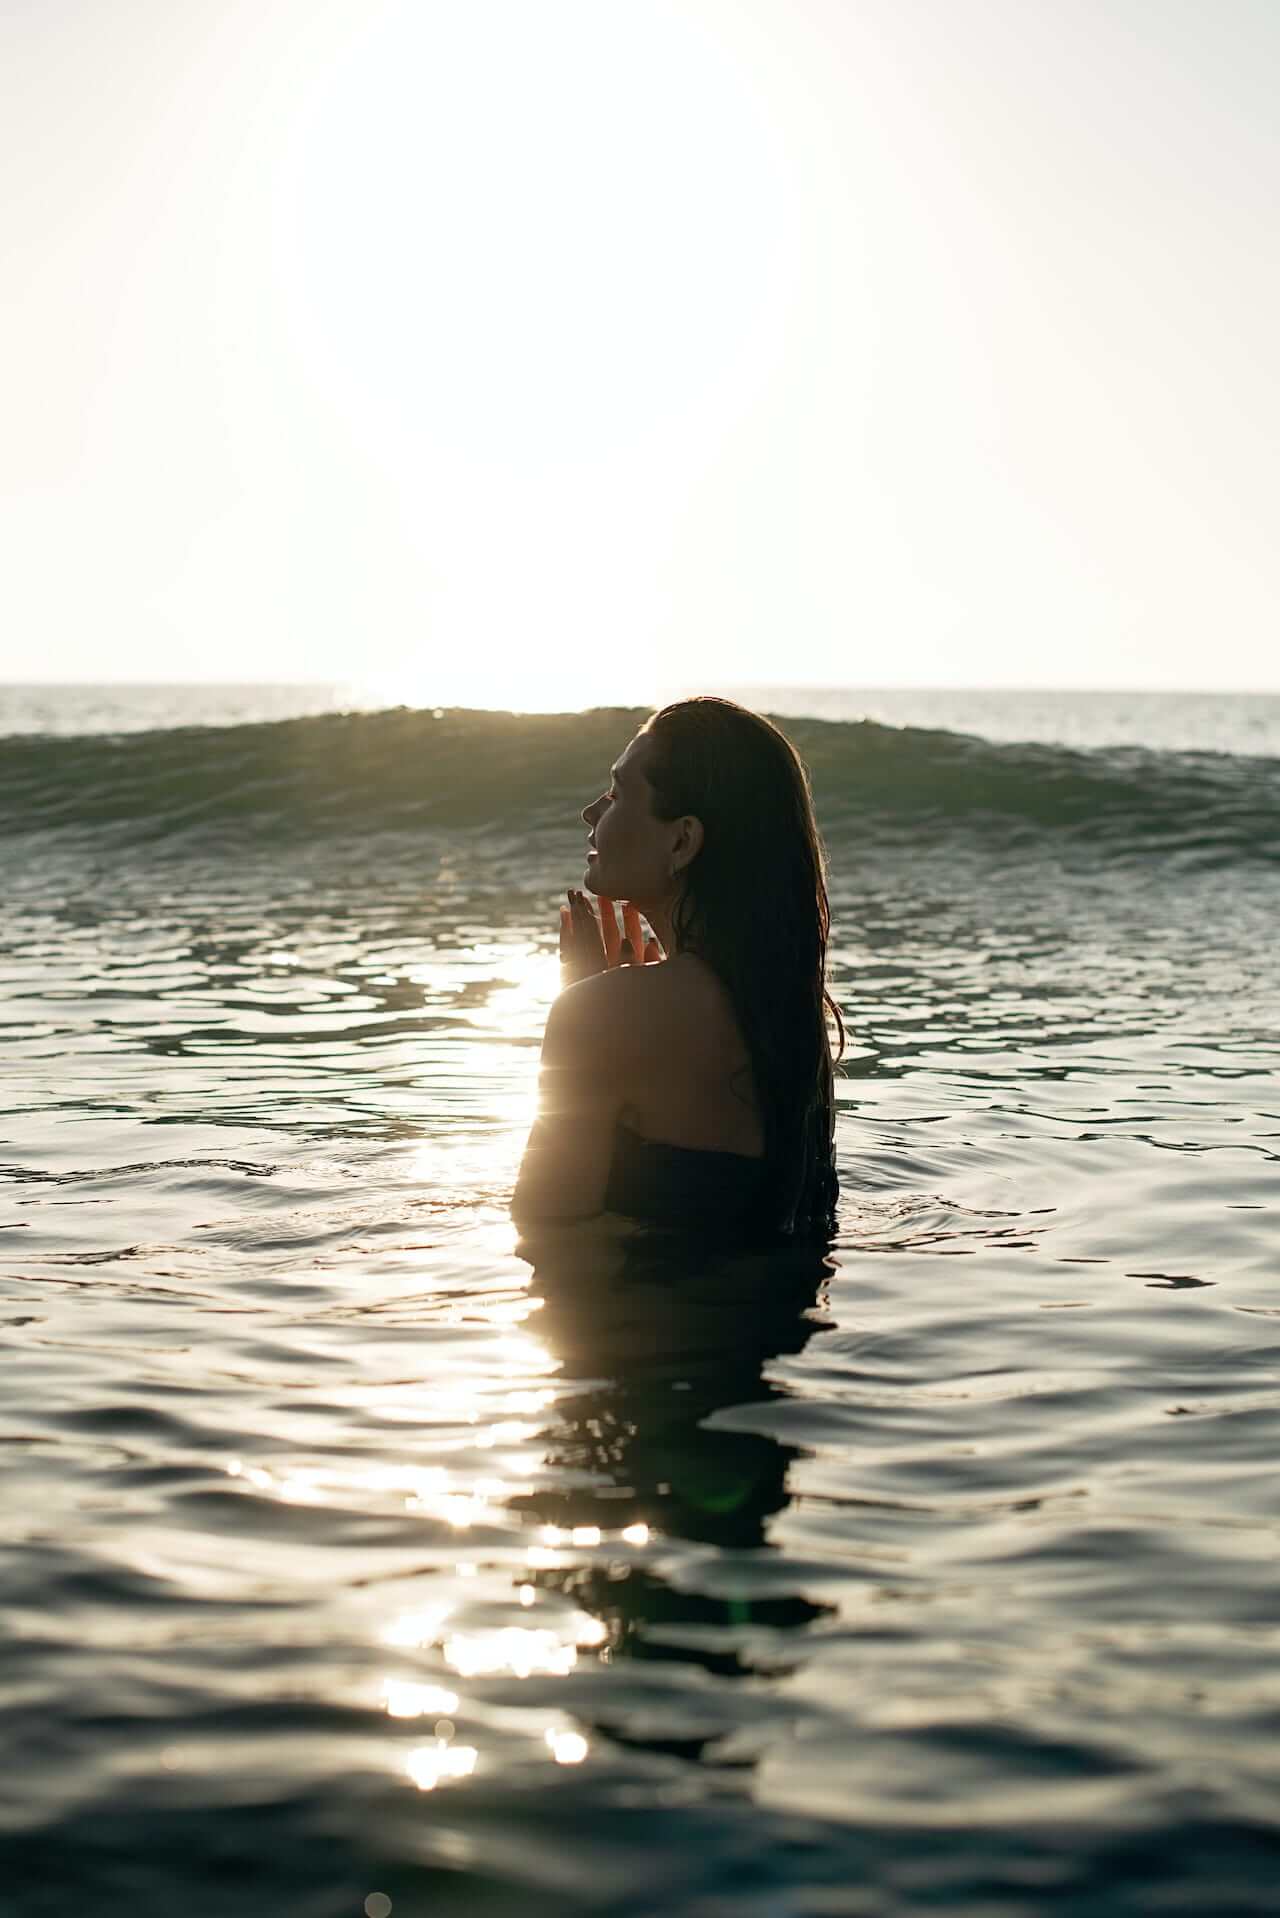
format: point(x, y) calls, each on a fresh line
point(1247, 723)
point(355, 1563)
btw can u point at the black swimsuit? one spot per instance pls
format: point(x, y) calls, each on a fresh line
point(681, 1185)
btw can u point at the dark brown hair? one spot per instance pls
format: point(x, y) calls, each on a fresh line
point(754, 906)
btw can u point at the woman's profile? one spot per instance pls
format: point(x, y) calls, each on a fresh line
point(686, 1080)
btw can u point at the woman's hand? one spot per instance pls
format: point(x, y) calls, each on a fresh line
point(589, 945)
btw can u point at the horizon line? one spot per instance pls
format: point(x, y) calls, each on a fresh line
point(742, 685)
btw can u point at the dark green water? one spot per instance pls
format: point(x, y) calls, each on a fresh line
point(349, 1552)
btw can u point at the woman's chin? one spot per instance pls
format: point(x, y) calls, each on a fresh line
point(598, 880)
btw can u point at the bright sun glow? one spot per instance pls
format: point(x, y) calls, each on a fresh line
point(429, 1765)
point(542, 356)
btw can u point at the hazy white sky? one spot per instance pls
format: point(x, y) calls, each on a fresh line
point(553, 350)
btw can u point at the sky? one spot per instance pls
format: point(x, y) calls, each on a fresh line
point(555, 352)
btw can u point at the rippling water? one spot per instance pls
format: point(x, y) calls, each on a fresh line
point(353, 1552)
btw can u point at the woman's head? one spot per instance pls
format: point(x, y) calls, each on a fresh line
point(632, 853)
point(710, 820)
point(704, 793)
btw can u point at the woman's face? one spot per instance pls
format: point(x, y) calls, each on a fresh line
point(629, 854)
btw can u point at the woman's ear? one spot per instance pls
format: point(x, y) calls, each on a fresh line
point(687, 844)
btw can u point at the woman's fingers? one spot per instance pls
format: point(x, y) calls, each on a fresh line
point(585, 924)
point(612, 939)
point(586, 948)
point(588, 944)
point(568, 961)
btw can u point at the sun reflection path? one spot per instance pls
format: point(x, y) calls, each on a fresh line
point(428, 1764)
point(567, 1748)
point(509, 1650)
point(533, 975)
point(519, 1650)
point(506, 1022)
point(455, 1624)
point(516, 1651)
point(427, 1490)
point(404, 1698)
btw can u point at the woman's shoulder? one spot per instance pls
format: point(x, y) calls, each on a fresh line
point(629, 1009)
point(609, 1014)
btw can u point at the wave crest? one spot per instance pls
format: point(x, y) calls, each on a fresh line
point(406, 770)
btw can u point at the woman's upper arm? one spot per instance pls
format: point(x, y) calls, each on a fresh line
point(581, 1088)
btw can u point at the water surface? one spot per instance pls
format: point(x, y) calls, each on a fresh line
point(353, 1548)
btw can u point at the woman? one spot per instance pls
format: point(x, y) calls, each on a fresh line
point(697, 1090)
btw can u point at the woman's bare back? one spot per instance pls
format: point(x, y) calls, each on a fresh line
point(692, 1083)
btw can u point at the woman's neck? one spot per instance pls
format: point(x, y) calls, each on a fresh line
point(659, 915)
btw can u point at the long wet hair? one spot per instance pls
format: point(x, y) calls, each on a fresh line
point(753, 905)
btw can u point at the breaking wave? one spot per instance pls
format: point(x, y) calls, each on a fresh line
point(406, 769)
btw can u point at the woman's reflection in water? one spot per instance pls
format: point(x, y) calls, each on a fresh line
point(666, 1335)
